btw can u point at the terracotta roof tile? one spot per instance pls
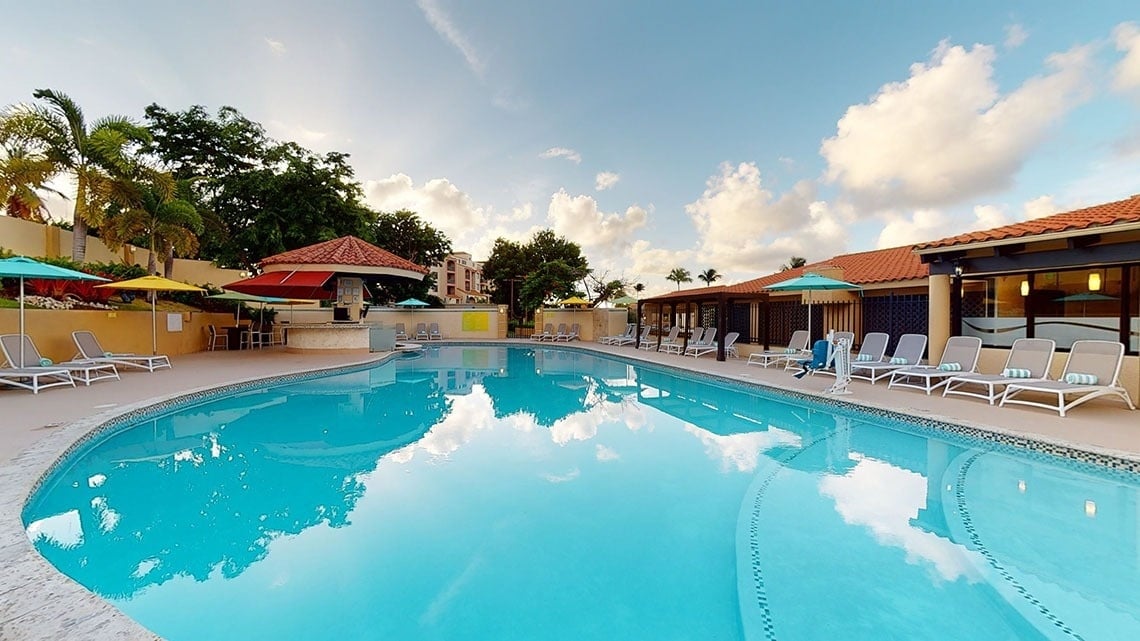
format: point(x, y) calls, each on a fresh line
point(346, 250)
point(862, 268)
point(1114, 213)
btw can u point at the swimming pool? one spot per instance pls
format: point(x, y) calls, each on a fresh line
point(508, 493)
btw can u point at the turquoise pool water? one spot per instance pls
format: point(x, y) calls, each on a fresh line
point(506, 493)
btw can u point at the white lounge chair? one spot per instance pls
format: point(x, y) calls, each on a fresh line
point(421, 331)
point(850, 336)
point(634, 339)
point(1089, 360)
point(797, 346)
point(35, 378)
point(547, 332)
point(708, 339)
point(434, 333)
point(401, 332)
point(630, 328)
point(569, 335)
point(667, 343)
point(729, 347)
point(960, 355)
point(90, 350)
point(86, 371)
point(907, 353)
point(1028, 360)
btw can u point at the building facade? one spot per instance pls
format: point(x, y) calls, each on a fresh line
point(459, 280)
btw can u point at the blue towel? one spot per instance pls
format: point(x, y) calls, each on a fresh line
point(818, 358)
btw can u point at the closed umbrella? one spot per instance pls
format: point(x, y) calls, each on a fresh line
point(21, 268)
point(153, 284)
point(810, 282)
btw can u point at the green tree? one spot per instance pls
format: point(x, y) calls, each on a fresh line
point(23, 177)
point(155, 211)
point(793, 262)
point(545, 268)
point(407, 235)
point(95, 157)
point(639, 287)
point(679, 275)
point(709, 275)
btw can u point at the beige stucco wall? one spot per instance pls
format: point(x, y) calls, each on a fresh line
point(593, 323)
point(37, 240)
point(117, 331)
point(938, 317)
point(450, 320)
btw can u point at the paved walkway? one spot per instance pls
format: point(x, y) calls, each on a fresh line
point(38, 603)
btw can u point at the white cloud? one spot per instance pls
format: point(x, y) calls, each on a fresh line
point(605, 454)
point(578, 218)
point(946, 134)
point(276, 46)
point(1040, 207)
point(1015, 36)
point(518, 214)
point(1126, 74)
point(742, 226)
point(441, 22)
point(295, 133)
point(606, 179)
point(562, 152)
point(657, 261)
point(437, 201)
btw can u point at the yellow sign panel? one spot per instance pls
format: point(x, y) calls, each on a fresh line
point(476, 321)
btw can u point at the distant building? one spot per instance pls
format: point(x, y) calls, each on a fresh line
point(459, 280)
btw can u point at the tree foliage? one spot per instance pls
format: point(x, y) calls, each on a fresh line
point(709, 275)
point(546, 268)
point(408, 236)
point(679, 275)
point(793, 262)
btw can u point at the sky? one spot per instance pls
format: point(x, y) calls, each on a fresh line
point(656, 134)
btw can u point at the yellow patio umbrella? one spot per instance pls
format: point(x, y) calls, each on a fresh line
point(153, 284)
point(574, 300)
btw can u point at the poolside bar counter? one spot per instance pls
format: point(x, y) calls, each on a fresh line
point(327, 338)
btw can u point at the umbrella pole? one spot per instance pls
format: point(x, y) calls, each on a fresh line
point(22, 340)
point(153, 325)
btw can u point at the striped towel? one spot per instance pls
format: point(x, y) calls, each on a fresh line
point(1073, 378)
point(1016, 372)
point(864, 358)
point(791, 350)
point(898, 360)
point(950, 367)
point(46, 362)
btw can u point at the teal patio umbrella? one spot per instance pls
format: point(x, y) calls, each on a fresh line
point(624, 300)
point(412, 302)
point(21, 268)
point(810, 282)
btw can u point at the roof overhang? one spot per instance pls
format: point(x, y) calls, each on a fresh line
point(1029, 238)
point(347, 270)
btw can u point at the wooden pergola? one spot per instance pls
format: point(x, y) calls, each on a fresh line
point(721, 297)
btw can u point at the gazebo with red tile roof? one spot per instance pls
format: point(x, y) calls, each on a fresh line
point(305, 272)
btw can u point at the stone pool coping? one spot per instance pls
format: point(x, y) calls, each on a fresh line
point(39, 602)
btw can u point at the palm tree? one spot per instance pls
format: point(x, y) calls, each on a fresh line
point(154, 208)
point(639, 287)
point(709, 275)
point(793, 262)
point(23, 176)
point(94, 157)
point(679, 275)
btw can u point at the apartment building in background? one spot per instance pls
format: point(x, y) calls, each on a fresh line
point(459, 280)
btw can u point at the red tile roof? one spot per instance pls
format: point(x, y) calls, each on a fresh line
point(347, 250)
point(1114, 213)
point(862, 268)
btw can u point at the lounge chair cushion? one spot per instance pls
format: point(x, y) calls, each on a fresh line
point(790, 350)
point(899, 360)
point(865, 358)
point(46, 362)
point(950, 367)
point(1016, 372)
point(1074, 378)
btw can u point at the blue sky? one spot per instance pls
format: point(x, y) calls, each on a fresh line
point(655, 134)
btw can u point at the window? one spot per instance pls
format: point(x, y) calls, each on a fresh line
point(1134, 309)
point(1072, 305)
point(993, 309)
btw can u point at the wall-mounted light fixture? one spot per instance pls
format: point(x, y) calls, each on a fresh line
point(1094, 281)
point(957, 270)
point(1024, 288)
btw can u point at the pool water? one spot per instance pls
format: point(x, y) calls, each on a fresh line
point(509, 493)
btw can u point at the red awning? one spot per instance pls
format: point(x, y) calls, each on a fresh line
point(287, 284)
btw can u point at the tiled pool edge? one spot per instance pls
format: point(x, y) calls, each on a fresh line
point(36, 600)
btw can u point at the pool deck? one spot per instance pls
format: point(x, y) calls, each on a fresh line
point(36, 602)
